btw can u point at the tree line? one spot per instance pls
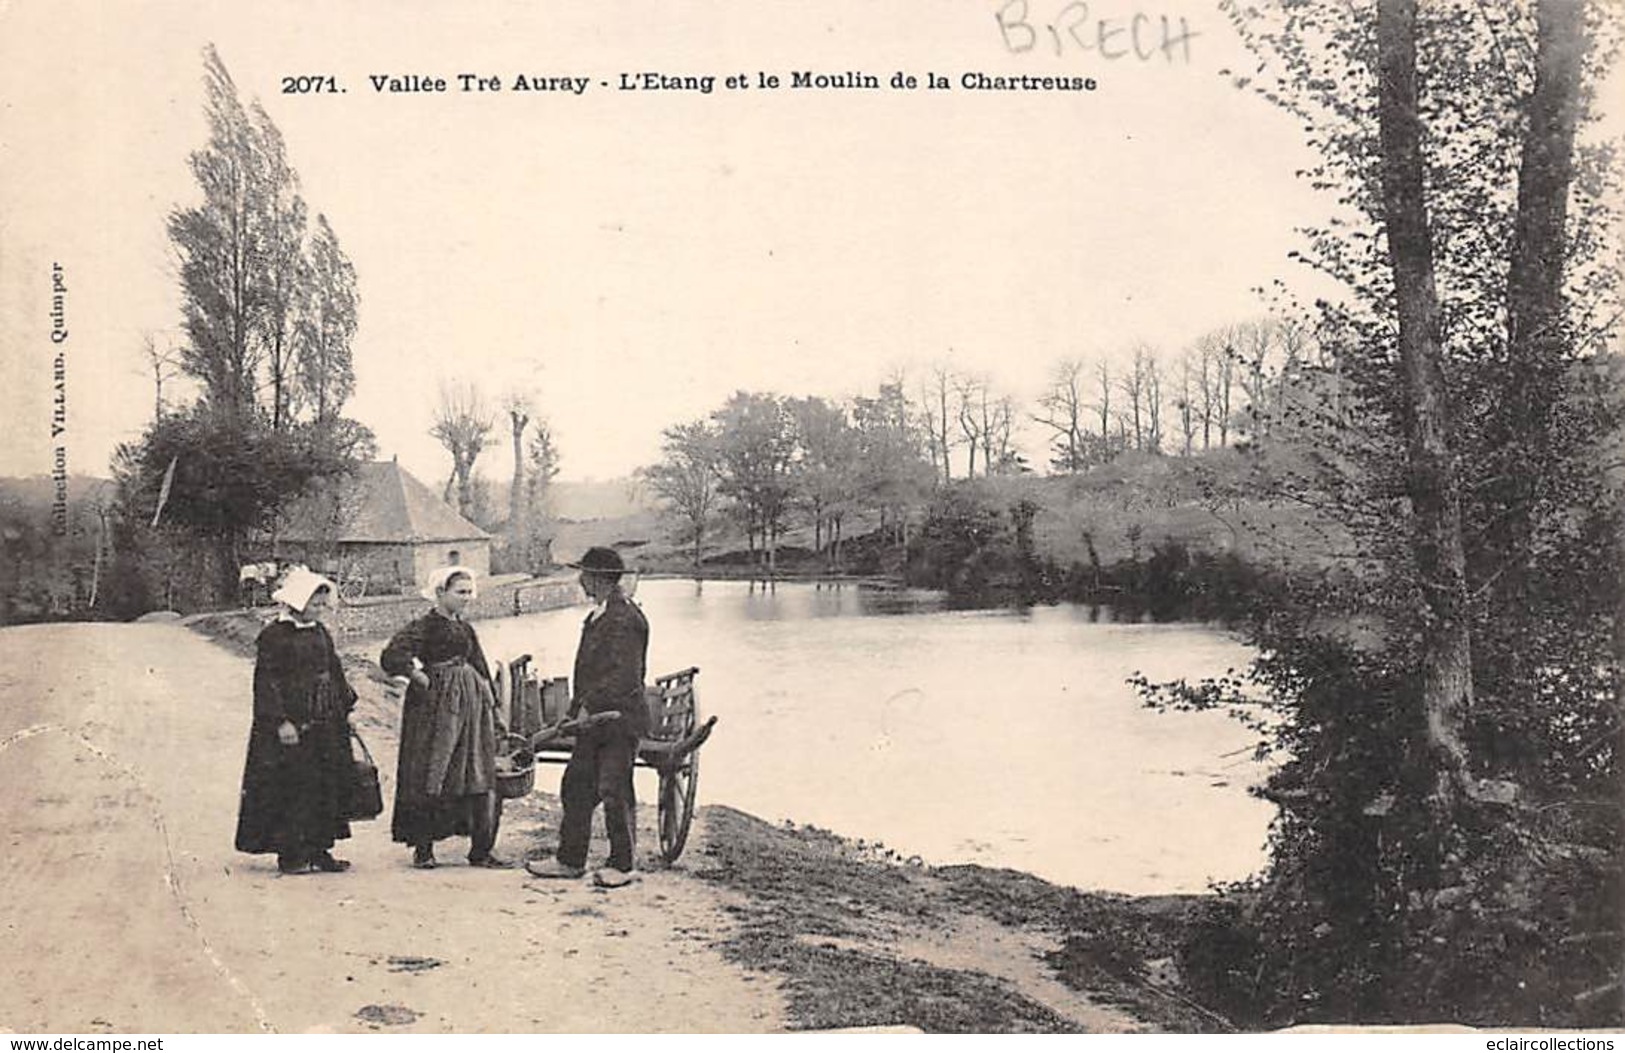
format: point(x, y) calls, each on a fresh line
point(763, 462)
point(763, 459)
point(269, 312)
point(466, 423)
point(1227, 387)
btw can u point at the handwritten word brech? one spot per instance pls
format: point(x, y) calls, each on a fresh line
point(1022, 26)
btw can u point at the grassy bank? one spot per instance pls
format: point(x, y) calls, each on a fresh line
point(842, 921)
point(1169, 538)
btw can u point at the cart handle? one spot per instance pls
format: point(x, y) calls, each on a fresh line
point(693, 741)
point(571, 725)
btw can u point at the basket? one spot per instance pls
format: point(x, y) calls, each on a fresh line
point(516, 767)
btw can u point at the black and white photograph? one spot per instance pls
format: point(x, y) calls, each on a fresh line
point(971, 517)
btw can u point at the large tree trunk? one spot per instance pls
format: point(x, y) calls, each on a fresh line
point(465, 486)
point(277, 383)
point(987, 437)
point(228, 543)
point(1447, 677)
point(320, 385)
point(1619, 692)
point(1536, 337)
point(518, 528)
point(1535, 282)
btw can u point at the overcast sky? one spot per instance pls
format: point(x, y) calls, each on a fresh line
point(633, 258)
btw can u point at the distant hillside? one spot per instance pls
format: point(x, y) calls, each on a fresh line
point(599, 499)
point(43, 573)
point(577, 500)
point(38, 491)
point(26, 506)
point(631, 533)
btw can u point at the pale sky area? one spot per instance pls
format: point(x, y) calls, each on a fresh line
point(633, 258)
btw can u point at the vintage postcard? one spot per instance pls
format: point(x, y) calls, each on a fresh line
point(875, 408)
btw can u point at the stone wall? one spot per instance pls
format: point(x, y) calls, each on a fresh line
point(389, 568)
point(377, 618)
point(431, 555)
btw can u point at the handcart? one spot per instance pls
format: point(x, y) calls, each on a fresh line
point(671, 747)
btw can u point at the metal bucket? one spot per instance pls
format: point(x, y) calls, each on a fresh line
point(527, 706)
point(555, 699)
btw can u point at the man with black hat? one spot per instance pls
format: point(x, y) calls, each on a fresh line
point(610, 666)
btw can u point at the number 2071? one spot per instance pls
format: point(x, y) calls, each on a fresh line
point(309, 85)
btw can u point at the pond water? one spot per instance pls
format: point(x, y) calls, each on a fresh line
point(1005, 738)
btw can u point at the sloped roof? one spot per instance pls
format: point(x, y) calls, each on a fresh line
point(383, 502)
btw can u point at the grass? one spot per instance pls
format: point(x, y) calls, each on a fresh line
point(822, 910)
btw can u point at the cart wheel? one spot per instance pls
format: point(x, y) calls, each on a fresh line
point(352, 589)
point(678, 788)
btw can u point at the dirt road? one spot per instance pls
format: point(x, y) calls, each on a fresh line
point(124, 907)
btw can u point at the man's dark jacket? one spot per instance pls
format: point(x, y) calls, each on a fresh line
point(611, 663)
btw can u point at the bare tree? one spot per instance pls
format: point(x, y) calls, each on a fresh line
point(1218, 351)
point(1153, 401)
point(1063, 411)
point(972, 393)
point(542, 466)
point(518, 406)
point(1184, 401)
point(987, 415)
point(1256, 343)
point(938, 387)
point(1103, 388)
point(462, 424)
point(1135, 385)
point(1296, 343)
point(998, 420)
point(1225, 382)
point(165, 365)
point(1209, 353)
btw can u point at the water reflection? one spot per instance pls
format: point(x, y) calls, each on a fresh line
point(778, 601)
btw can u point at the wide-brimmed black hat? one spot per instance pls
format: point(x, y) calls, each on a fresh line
point(600, 560)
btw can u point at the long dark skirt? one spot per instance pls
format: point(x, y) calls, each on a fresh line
point(291, 795)
point(447, 763)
